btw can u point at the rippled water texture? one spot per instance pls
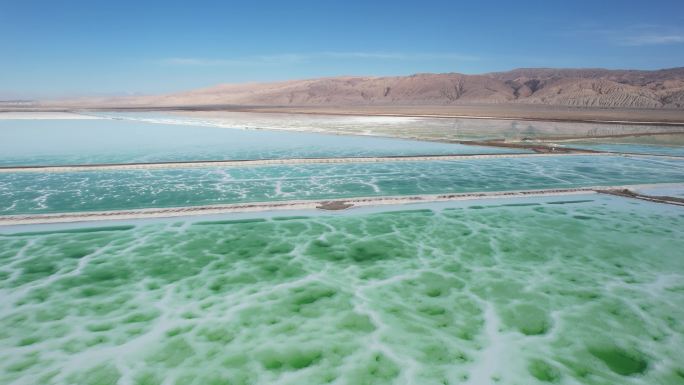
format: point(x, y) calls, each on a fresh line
point(575, 290)
point(91, 190)
point(39, 142)
point(631, 148)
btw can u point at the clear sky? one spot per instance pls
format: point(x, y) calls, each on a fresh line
point(67, 48)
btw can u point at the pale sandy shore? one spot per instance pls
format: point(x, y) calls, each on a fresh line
point(524, 112)
point(170, 212)
point(267, 162)
point(43, 115)
point(506, 111)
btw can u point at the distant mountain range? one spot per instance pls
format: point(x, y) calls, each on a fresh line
point(597, 88)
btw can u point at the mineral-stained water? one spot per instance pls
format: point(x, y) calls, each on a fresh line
point(23, 193)
point(571, 290)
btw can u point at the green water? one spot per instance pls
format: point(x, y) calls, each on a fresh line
point(22, 193)
point(570, 290)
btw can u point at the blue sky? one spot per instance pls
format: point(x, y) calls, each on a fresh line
point(67, 48)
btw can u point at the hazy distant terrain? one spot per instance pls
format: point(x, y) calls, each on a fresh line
point(595, 88)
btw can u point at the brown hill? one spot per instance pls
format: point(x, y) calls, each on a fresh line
point(539, 86)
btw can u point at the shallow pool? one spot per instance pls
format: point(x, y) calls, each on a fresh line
point(578, 289)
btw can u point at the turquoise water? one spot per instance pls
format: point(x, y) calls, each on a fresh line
point(22, 193)
point(581, 289)
point(672, 191)
point(631, 148)
point(567, 290)
point(50, 142)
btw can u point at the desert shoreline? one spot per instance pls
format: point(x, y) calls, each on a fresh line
point(666, 117)
point(649, 117)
